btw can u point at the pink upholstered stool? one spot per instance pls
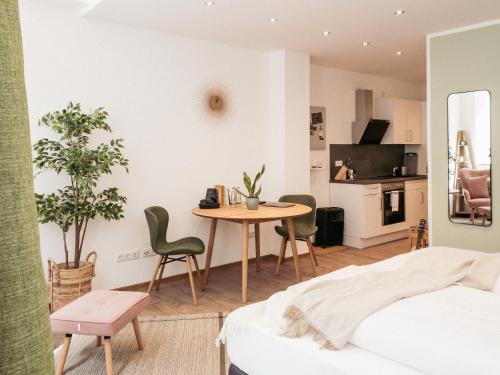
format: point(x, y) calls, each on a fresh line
point(101, 313)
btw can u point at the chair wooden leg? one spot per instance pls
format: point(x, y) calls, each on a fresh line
point(281, 256)
point(153, 278)
point(159, 277)
point(293, 243)
point(198, 273)
point(98, 341)
point(138, 335)
point(257, 247)
point(484, 219)
point(191, 280)
point(64, 354)
point(313, 252)
point(472, 215)
point(311, 256)
point(109, 355)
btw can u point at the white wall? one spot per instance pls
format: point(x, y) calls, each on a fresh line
point(335, 89)
point(152, 86)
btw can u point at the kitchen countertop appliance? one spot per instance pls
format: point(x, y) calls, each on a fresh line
point(411, 163)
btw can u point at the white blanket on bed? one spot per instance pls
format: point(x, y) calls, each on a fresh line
point(332, 309)
point(452, 331)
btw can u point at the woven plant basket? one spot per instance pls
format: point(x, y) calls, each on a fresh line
point(67, 284)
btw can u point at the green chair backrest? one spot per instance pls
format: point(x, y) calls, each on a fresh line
point(307, 221)
point(157, 218)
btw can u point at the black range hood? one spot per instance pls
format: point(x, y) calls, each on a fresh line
point(366, 130)
point(374, 132)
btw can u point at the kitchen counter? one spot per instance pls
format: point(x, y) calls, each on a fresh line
point(378, 180)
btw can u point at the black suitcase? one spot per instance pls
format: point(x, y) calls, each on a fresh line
point(330, 223)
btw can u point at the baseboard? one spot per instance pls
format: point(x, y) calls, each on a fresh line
point(184, 275)
point(361, 243)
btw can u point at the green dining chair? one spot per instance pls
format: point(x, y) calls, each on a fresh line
point(304, 226)
point(181, 250)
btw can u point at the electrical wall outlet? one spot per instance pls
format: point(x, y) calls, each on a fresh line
point(339, 163)
point(148, 253)
point(125, 256)
point(251, 233)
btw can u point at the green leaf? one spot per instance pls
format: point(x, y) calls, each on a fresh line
point(84, 165)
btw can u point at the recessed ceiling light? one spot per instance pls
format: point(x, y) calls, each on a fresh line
point(209, 3)
point(399, 53)
point(366, 44)
point(399, 12)
point(273, 20)
point(326, 33)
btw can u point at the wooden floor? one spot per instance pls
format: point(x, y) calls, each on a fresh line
point(223, 292)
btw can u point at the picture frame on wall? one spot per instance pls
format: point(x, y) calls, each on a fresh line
point(317, 128)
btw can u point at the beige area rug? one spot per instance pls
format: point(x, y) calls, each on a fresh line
point(174, 345)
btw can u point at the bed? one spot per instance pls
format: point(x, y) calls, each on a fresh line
point(455, 330)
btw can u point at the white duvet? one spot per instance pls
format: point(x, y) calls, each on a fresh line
point(453, 331)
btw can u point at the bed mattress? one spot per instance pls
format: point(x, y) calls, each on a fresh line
point(257, 351)
point(455, 330)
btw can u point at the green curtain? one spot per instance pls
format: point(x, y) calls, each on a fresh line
point(25, 337)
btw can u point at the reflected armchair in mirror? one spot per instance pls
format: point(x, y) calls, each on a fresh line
point(475, 190)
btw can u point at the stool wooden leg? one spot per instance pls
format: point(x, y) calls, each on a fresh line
point(281, 256)
point(109, 355)
point(158, 264)
point(198, 273)
point(138, 336)
point(191, 280)
point(64, 354)
point(98, 341)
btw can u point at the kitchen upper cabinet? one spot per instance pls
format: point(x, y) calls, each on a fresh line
point(406, 120)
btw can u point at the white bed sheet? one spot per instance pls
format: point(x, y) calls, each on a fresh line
point(258, 351)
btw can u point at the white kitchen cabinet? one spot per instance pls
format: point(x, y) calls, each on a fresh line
point(416, 202)
point(372, 214)
point(405, 118)
point(363, 212)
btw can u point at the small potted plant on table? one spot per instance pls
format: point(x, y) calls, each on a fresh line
point(252, 198)
point(72, 206)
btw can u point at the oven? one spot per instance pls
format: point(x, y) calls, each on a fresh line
point(393, 203)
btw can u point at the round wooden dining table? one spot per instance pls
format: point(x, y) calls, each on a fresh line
point(241, 215)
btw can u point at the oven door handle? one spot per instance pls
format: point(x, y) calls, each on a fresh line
point(389, 192)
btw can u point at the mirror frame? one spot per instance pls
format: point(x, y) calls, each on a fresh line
point(448, 145)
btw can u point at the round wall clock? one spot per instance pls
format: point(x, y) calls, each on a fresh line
point(215, 101)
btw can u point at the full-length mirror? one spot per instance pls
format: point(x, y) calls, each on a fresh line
point(469, 158)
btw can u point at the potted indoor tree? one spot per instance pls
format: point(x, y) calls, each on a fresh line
point(74, 205)
point(252, 197)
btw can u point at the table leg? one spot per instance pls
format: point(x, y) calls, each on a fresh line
point(211, 238)
point(244, 263)
point(257, 246)
point(291, 234)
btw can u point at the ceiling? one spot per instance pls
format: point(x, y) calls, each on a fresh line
point(301, 23)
